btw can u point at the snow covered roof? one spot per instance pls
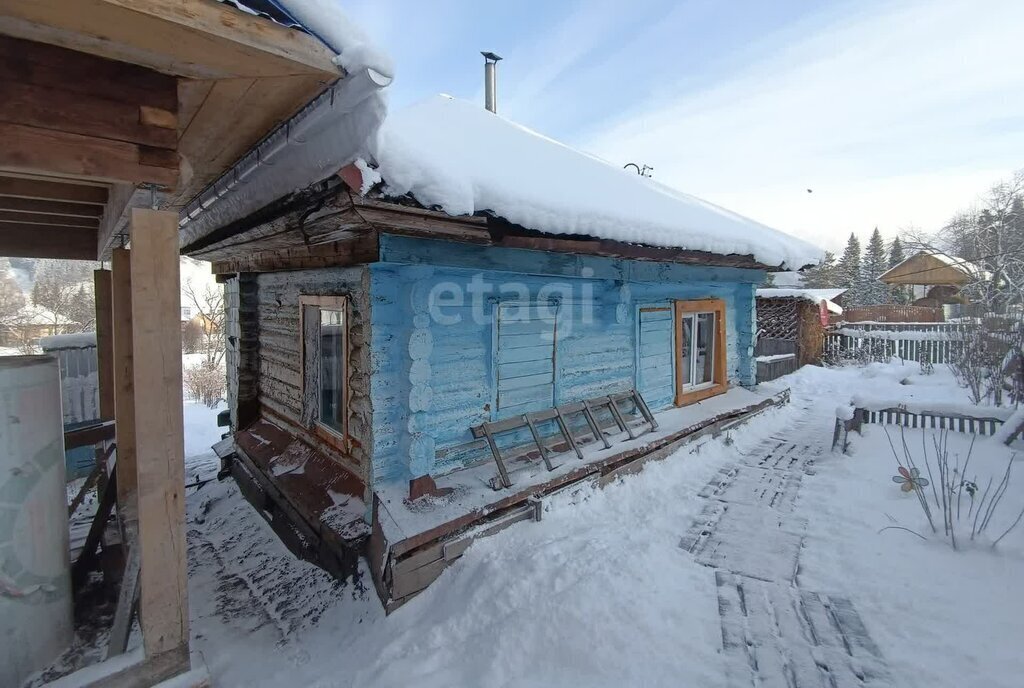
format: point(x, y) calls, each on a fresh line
point(78, 340)
point(463, 159)
point(326, 21)
point(39, 315)
point(812, 295)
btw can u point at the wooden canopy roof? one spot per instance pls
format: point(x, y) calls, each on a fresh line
point(111, 104)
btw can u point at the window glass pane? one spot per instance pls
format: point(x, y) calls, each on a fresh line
point(704, 349)
point(332, 368)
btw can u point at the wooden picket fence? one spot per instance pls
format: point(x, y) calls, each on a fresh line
point(856, 343)
point(939, 420)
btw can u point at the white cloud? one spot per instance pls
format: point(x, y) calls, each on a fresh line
point(893, 118)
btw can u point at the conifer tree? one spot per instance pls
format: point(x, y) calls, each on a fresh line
point(872, 291)
point(824, 275)
point(898, 293)
point(848, 272)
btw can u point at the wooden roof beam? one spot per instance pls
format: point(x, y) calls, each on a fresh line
point(48, 190)
point(48, 151)
point(50, 219)
point(47, 241)
point(33, 205)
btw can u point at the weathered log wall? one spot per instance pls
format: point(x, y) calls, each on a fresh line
point(278, 375)
point(434, 368)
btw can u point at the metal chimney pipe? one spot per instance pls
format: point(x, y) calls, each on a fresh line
point(490, 81)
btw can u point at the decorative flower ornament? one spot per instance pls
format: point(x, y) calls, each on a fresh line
point(909, 480)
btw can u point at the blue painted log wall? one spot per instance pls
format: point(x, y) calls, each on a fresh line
point(434, 361)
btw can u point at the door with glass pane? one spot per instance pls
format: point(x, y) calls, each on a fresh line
point(700, 353)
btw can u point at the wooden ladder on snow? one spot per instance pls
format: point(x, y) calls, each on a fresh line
point(560, 414)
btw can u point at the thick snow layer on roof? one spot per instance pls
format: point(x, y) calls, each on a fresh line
point(463, 159)
point(326, 20)
point(78, 340)
point(812, 295)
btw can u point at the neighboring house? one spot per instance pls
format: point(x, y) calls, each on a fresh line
point(30, 324)
point(383, 320)
point(937, 278)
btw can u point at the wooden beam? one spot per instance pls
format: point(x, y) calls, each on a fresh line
point(156, 341)
point(47, 241)
point(361, 250)
point(104, 342)
point(124, 382)
point(89, 435)
point(80, 113)
point(197, 39)
point(32, 149)
point(39, 64)
point(23, 218)
point(32, 205)
point(122, 198)
point(26, 187)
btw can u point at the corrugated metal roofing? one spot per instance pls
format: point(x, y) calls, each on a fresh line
point(267, 9)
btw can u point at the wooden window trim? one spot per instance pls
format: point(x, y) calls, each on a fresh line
point(721, 382)
point(342, 441)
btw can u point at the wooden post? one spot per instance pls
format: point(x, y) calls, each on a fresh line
point(160, 452)
point(104, 342)
point(124, 385)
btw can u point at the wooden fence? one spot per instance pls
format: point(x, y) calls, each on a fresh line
point(905, 326)
point(775, 358)
point(958, 422)
point(893, 313)
point(939, 420)
point(855, 343)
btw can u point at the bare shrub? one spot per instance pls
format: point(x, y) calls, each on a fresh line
point(966, 511)
point(205, 383)
point(192, 337)
point(984, 359)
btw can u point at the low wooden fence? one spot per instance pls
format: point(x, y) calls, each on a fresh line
point(939, 420)
point(959, 422)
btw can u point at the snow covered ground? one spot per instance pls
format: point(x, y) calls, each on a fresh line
point(630, 585)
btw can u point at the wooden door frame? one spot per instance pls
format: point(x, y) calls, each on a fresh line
point(721, 383)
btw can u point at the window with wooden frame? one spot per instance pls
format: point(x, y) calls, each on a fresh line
point(323, 321)
point(699, 350)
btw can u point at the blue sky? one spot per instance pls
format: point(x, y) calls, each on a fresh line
point(893, 113)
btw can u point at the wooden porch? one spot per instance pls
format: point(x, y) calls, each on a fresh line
point(115, 114)
point(301, 493)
